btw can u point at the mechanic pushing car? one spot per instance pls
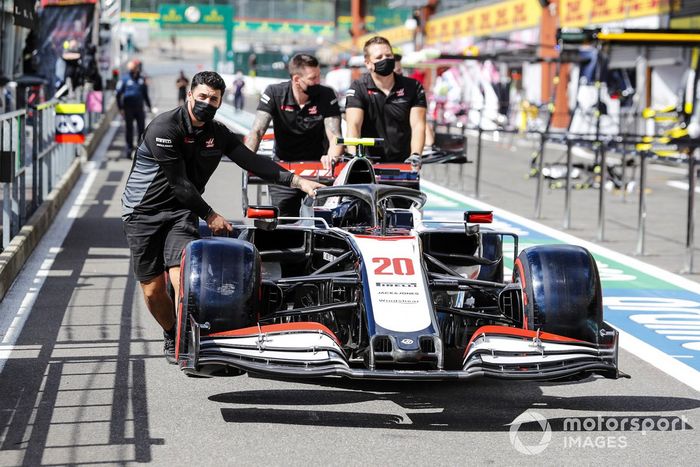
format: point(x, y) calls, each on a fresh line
point(179, 151)
point(384, 104)
point(306, 117)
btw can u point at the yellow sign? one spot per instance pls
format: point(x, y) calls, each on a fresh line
point(214, 17)
point(68, 108)
point(172, 16)
point(579, 13)
point(689, 22)
point(503, 17)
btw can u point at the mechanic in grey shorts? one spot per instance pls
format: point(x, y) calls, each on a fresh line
point(162, 200)
point(306, 120)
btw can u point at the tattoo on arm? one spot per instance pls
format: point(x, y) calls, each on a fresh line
point(333, 131)
point(262, 121)
point(332, 125)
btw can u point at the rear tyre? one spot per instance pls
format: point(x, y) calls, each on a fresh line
point(220, 286)
point(561, 291)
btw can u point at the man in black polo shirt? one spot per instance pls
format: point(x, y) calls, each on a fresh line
point(178, 153)
point(306, 117)
point(383, 104)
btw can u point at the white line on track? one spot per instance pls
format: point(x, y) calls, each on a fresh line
point(646, 352)
point(681, 185)
point(19, 300)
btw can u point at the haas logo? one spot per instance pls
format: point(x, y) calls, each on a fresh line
point(209, 143)
point(313, 110)
point(400, 92)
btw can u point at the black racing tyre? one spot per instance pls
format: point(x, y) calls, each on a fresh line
point(220, 285)
point(492, 249)
point(561, 291)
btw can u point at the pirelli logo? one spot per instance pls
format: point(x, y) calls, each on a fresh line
point(164, 141)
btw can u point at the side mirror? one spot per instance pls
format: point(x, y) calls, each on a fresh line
point(264, 217)
point(478, 217)
point(262, 212)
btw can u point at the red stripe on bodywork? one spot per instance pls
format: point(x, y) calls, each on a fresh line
point(404, 167)
point(519, 265)
point(179, 307)
point(386, 239)
point(517, 332)
point(254, 330)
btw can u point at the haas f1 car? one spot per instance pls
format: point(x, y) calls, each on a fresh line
point(362, 287)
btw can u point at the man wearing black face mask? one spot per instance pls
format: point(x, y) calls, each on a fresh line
point(306, 120)
point(384, 104)
point(132, 94)
point(162, 200)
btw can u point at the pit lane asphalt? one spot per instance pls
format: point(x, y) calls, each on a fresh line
point(86, 382)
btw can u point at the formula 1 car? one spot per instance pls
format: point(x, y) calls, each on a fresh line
point(362, 287)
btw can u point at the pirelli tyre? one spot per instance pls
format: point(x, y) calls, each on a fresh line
point(220, 286)
point(561, 291)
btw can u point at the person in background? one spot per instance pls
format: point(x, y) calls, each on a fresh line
point(181, 84)
point(238, 84)
point(132, 94)
point(252, 64)
point(306, 119)
point(384, 104)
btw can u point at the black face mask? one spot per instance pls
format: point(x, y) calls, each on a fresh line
point(384, 67)
point(203, 111)
point(312, 90)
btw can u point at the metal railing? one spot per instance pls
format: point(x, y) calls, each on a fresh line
point(31, 164)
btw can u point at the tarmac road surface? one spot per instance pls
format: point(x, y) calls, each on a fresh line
point(84, 380)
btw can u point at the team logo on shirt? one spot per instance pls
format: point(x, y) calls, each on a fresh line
point(287, 108)
point(164, 143)
point(189, 140)
point(371, 93)
point(209, 143)
point(313, 110)
point(400, 92)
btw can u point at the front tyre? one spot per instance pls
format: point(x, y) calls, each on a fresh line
point(219, 287)
point(561, 291)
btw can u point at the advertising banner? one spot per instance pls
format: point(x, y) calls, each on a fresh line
point(201, 16)
point(580, 13)
point(499, 18)
point(24, 14)
point(45, 3)
point(61, 25)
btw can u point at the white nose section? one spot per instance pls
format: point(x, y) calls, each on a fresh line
point(396, 285)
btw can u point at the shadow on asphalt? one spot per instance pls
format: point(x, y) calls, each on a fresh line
point(34, 390)
point(479, 406)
